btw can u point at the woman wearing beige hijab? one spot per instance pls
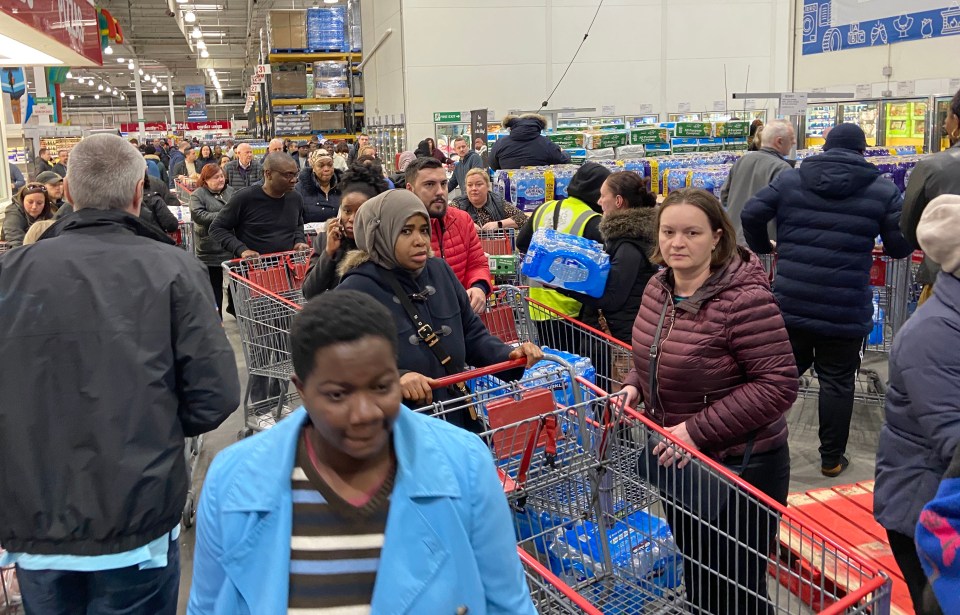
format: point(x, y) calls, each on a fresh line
point(392, 231)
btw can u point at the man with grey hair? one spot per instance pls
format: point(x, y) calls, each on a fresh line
point(757, 170)
point(275, 145)
point(243, 171)
point(95, 482)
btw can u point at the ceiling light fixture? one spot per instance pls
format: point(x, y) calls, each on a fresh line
point(108, 50)
point(181, 1)
point(72, 97)
point(189, 17)
point(69, 75)
point(201, 44)
point(141, 72)
point(154, 90)
point(62, 94)
point(114, 92)
point(100, 87)
point(204, 53)
point(196, 32)
point(163, 87)
point(130, 65)
point(96, 97)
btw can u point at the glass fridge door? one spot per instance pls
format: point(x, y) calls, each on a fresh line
point(905, 123)
point(446, 133)
point(819, 118)
point(684, 117)
point(635, 121)
point(865, 114)
point(940, 140)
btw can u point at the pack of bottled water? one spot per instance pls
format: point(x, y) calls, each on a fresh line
point(567, 261)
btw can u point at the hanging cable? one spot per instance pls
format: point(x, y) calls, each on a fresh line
point(572, 60)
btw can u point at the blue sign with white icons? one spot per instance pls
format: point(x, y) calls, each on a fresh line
point(823, 34)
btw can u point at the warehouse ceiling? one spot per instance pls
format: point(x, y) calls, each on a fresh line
point(159, 35)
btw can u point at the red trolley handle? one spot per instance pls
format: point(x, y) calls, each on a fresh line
point(579, 601)
point(446, 381)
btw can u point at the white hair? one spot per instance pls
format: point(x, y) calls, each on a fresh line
point(276, 142)
point(104, 172)
point(773, 130)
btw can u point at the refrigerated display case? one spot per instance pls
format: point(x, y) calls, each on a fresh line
point(684, 117)
point(635, 121)
point(819, 118)
point(585, 123)
point(940, 140)
point(726, 116)
point(444, 134)
point(905, 123)
point(865, 114)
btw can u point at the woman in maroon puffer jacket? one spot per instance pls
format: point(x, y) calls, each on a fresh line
point(725, 377)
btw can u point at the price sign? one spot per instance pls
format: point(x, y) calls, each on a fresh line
point(793, 103)
point(684, 107)
point(864, 90)
point(646, 109)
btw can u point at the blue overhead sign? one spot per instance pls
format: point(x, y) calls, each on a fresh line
point(835, 25)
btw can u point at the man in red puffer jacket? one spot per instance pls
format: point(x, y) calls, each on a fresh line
point(452, 234)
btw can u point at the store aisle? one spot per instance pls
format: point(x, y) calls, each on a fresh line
point(803, 447)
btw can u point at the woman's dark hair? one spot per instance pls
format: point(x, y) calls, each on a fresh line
point(149, 150)
point(955, 104)
point(37, 188)
point(336, 317)
point(632, 188)
point(709, 205)
point(343, 148)
point(363, 179)
point(206, 145)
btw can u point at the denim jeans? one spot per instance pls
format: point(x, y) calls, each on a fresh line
point(124, 591)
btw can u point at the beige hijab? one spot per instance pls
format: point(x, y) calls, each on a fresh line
point(379, 222)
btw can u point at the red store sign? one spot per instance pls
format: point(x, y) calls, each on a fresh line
point(72, 23)
point(178, 127)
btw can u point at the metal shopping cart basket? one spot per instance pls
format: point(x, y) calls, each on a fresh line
point(588, 510)
point(266, 294)
point(183, 235)
point(500, 246)
point(513, 316)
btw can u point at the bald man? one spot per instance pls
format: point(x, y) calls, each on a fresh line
point(275, 145)
point(243, 171)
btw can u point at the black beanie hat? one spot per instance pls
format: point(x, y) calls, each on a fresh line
point(585, 183)
point(846, 136)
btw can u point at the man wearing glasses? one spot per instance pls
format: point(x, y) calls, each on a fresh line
point(266, 218)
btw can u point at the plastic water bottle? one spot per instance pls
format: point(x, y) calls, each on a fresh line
point(876, 334)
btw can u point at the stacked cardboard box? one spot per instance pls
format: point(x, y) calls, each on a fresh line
point(288, 30)
point(289, 80)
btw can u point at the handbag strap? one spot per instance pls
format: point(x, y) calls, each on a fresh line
point(424, 330)
point(655, 358)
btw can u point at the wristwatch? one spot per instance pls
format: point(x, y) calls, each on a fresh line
point(499, 223)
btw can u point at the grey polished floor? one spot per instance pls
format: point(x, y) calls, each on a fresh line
point(805, 472)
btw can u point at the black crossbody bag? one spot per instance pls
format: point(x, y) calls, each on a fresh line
point(429, 337)
point(696, 487)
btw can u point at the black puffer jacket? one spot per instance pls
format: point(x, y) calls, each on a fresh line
point(204, 207)
point(322, 272)
point(525, 146)
point(628, 237)
point(92, 452)
point(446, 309)
point(317, 205)
point(154, 210)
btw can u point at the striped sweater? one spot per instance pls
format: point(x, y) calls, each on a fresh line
point(335, 545)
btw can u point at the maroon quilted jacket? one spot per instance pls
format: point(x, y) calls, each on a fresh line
point(725, 361)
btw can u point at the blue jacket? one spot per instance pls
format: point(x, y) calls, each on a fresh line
point(922, 428)
point(828, 214)
point(176, 157)
point(449, 538)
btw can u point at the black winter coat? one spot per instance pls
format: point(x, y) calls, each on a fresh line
point(447, 310)
point(317, 205)
point(322, 271)
point(933, 176)
point(628, 237)
point(525, 146)
point(829, 213)
point(154, 210)
point(204, 207)
point(93, 450)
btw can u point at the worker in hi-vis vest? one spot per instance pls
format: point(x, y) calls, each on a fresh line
point(577, 214)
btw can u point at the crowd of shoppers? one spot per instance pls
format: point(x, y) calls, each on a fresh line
point(395, 284)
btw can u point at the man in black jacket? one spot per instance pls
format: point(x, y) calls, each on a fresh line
point(525, 147)
point(94, 480)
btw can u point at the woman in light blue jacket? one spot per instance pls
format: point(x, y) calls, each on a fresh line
point(355, 502)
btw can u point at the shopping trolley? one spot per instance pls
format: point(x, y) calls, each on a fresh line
point(183, 236)
point(184, 189)
point(500, 246)
point(266, 295)
point(513, 316)
point(594, 515)
point(10, 601)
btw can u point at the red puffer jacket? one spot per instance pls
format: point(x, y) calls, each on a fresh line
point(726, 367)
point(454, 239)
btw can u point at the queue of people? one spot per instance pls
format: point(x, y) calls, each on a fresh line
point(394, 287)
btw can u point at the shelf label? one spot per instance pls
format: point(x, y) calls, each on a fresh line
point(446, 116)
point(906, 88)
point(646, 109)
point(609, 109)
point(793, 103)
point(719, 106)
point(684, 107)
point(262, 69)
point(864, 90)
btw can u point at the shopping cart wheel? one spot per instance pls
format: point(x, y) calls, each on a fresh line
point(190, 510)
point(876, 385)
point(246, 432)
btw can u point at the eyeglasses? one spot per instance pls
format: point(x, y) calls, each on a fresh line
point(287, 174)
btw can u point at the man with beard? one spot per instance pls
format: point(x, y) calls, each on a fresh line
point(452, 234)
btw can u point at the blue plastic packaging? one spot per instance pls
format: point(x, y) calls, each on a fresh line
point(528, 189)
point(876, 334)
point(547, 371)
point(326, 28)
point(567, 261)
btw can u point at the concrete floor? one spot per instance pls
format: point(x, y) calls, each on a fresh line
point(805, 471)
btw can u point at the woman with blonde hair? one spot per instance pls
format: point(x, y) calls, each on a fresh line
point(489, 210)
